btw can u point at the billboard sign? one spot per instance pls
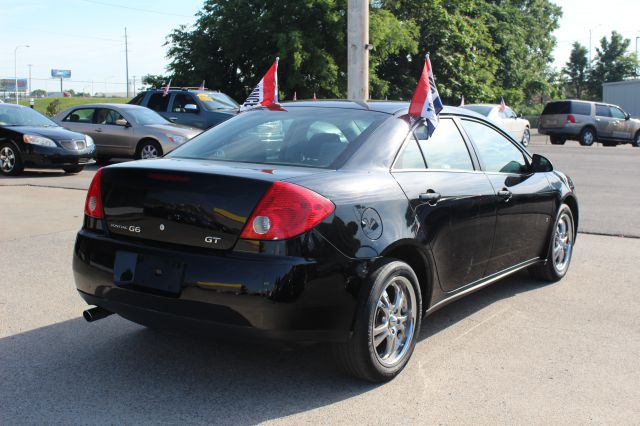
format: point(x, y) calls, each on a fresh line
point(60, 73)
point(9, 85)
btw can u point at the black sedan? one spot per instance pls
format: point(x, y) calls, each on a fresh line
point(326, 221)
point(29, 139)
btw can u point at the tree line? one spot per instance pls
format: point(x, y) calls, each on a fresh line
point(480, 49)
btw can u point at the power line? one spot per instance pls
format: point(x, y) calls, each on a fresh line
point(102, 3)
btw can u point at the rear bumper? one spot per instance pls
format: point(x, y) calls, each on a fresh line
point(39, 156)
point(569, 131)
point(230, 295)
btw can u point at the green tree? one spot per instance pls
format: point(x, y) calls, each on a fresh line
point(576, 70)
point(234, 41)
point(612, 63)
point(39, 93)
point(155, 80)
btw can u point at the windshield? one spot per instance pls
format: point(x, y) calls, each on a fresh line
point(146, 117)
point(214, 101)
point(23, 116)
point(480, 109)
point(311, 137)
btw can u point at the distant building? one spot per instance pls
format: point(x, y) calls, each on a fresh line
point(625, 93)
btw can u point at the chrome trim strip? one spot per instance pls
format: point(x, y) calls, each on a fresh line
point(481, 284)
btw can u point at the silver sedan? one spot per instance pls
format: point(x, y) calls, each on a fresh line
point(123, 130)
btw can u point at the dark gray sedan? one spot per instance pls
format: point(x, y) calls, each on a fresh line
point(122, 130)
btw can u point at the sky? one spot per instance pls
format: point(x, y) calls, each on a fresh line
point(87, 36)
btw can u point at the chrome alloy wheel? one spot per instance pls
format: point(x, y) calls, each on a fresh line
point(394, 321)
point(526, 137)
point(148, 151)
point(7, 159)
point(562, 243)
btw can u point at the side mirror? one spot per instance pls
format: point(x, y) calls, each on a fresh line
point(520, 115)
point(541, 164)
point(627, 116)
point(122, 122)
point(191, 108)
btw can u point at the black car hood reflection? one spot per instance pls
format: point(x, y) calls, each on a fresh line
point(56, 132)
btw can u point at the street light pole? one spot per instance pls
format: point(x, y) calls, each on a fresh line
point(15, 66)
point(29, 89)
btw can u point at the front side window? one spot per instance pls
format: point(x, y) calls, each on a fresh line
point(312, 137)
point(182, 99)
point(445, 148)
point(109, 117)
point(617, 113)
point(157, 102)
point(496, 152)
point(82, 115)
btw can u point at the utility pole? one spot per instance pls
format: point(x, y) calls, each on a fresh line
point(134, 85)
point(15, 67)
point(358, 50)
point(126, 58)
point(29, 89)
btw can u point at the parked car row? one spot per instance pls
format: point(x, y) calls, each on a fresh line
point(151, 125)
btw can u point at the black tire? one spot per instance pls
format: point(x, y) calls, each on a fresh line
point(557, 140)
point(360, 356)
point(10, 160)
point(73, 169)
point(146, 147)
point(549, 270)
point(609, 144)
point(526, 137)
point(587, 136)
point(636, 140)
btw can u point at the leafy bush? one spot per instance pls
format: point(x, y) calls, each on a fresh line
point(53, 108)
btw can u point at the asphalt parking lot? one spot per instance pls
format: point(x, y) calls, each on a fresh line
point(517, 352)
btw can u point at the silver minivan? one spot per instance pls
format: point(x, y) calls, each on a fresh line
point(588, 122)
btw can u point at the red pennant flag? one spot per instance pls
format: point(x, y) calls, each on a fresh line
point(503, 106)
point(314, 96)
point(165, 92)
point(295, 96)
point(266, 92)
point(201, 86)
point(426, 99)
point(462, 101)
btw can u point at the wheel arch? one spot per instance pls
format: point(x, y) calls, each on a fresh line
point(148, 139)
point(420, 261)
point(571, 201)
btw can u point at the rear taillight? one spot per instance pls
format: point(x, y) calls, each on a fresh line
point(286, 210)
point(571, 118)
point(93, 204)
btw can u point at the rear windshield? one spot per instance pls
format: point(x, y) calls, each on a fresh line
point(480, 109)
point(311, 137)
point(557, 108)
point(214, 101)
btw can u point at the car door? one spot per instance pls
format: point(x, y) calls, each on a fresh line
point(516, 126)
point(453, 202)
point(181, 115)
point(525, 200)
point(621, 127)
point(114, 132)
point(604, 122)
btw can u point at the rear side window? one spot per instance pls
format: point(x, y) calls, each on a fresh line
point(445, 149)
point(411, 157)
point(496, 152)
point(159, 103)
point(83, 115)
point(580, 108)
point(137, 100)
point(603, 111)
point(557, 108)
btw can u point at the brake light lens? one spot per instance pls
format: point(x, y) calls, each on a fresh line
point(286, 210)
point(571, 118)
point(93, 204)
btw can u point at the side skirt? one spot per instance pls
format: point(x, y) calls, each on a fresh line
point(484, 283)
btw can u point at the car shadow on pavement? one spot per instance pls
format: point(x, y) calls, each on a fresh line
point(114, 371)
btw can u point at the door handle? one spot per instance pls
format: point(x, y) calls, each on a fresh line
point(99, 130)
point(173, 119)
point(505, 194)
point(430, 197)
